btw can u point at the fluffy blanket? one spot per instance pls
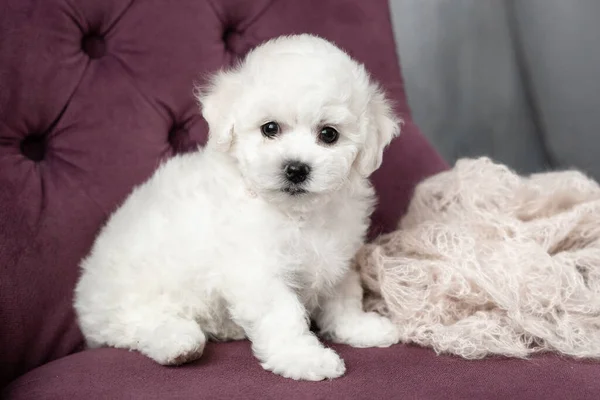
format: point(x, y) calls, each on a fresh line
point(488, 262)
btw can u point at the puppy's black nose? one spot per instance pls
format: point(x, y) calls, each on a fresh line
point(296, 171)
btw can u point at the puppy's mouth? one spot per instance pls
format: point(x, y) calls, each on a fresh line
point(294, 190)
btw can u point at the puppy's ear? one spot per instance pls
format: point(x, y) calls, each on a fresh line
point(382, 127)
point(216, 100)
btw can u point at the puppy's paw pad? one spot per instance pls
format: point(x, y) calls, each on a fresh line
point(308, 364)
point(175, 344)
point(186, 356)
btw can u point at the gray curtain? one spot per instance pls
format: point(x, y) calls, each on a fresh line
point(518, 80)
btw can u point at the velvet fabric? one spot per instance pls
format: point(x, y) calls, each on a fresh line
point(93, 96)
point(229, 371)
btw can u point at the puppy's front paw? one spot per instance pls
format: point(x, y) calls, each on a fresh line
point(312, 363)
point(366, 330)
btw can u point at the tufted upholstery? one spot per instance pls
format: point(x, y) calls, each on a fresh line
point(93, 95)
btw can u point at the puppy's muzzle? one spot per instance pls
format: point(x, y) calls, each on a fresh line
point(296, 172)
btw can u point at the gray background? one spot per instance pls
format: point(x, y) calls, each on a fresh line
point(518, 80)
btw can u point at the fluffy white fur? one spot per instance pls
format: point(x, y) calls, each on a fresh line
point(214, 247)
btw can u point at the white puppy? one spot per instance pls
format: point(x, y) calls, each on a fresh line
point(252, 236)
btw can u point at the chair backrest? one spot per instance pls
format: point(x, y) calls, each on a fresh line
point(94, 94)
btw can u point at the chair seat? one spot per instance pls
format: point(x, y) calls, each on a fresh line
point(229, 371)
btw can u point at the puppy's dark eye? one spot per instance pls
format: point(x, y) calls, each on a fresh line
point(270, 129)
point(328, 135)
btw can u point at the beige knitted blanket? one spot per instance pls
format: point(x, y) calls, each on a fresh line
point(488, 262)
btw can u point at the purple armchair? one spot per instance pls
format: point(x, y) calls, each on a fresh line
point(93, 94)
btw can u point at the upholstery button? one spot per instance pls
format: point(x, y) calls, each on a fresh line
point(34, 147)
point(179, 138)
point(94, 46)
point(235, 42)
point(227, 33)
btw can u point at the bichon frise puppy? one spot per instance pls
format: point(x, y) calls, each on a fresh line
point(253, 236)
